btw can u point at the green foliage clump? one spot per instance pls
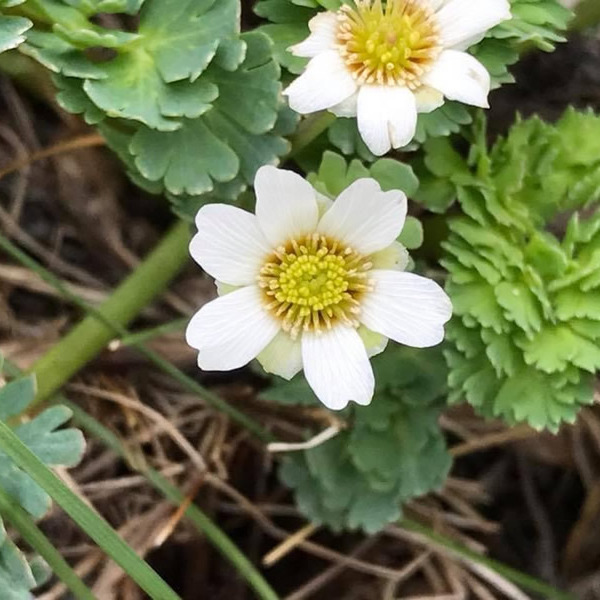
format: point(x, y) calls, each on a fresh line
point(392, 451)
point(189, 104)
point(55, 447)
point(524, 264)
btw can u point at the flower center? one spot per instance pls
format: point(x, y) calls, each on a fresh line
point(393, 44)
point(313, 282)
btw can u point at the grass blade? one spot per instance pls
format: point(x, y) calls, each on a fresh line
point(92, 523)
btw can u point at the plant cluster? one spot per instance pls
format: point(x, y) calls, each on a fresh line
point(523, 268)
point(190, 105)
point(195, 109)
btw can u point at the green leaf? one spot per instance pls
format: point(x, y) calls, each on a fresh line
point(65, 447)
point(16, 577)
point(555, 348)
point(335, 174)
point(16, 396)
point(134, 89)
point(217, 152)
point(443, 121)
point(344, 135)
point(478, 300)
point(155, 79)
point(412, 234)
point(573, 303)
point(284, 11)
point(394, 175)
point(73, 99)
point(393, 452)
point(187, 161)
point(295, 392)
point(228, 140)
point(283, 37)
point(59, 56)
point(502, 352)
point(520, 305)
point(580, 138)
point(92, 7)
point(12, 30)
point(530, 396)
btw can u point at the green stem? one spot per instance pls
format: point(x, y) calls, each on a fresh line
point(91, 336)
point(92, 523)
point(201, 521)
point(522, 579)
point(587, 15)
point(30, 532)
point(100, 324)
point(310, 129)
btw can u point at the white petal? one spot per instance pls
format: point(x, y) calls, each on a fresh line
point(231, 330)
point(364, 217)
point(226, 288)
point(407, 308)
point(387, 117)
point(325, 82)
point(323, 28)
point(283, 356)
point(375, 343)
point(428, 99)
point(323, 203)
point(229, 244)
point(460, 76)
point(286, 205)
point(347, 108)
point(394, 257)
point(460, 20)
point(337, 367)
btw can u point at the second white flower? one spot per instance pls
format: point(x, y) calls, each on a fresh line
point(383, 62)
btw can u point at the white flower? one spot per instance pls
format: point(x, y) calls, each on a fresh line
point(385, 63)
point(317, 285)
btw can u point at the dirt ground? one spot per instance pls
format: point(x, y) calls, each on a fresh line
point(531, 501)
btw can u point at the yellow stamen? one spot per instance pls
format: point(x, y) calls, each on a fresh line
point(388, 44)
point(313, 282)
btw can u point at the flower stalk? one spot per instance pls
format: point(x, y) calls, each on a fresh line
point(91, 336)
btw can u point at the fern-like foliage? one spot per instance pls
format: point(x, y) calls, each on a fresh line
point(55, 447)
point(524, 269)
point(190, 105)
point(392, 451)
point(537, 23)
